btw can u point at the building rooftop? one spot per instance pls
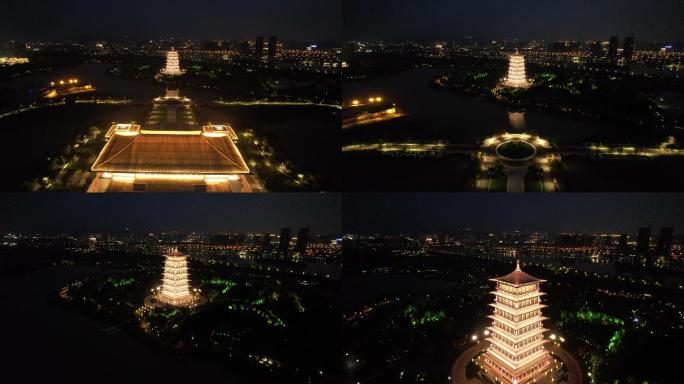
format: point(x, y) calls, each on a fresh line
point(176, 252)
point(189, 152)
point(123, 129)
point(220, 130)
point(517, 278)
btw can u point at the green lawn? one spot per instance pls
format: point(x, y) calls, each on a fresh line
point(496, 185)
point(534, 185)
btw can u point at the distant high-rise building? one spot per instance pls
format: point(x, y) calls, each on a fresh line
point(244, 47)
point(266, 241)
point(665, 242)
point(628, 50)
point(284, 243)
point(272, 47)
point(597, 49)
point(613, 50)
point(302, 240)
point(259, 48)
point(622, 248)
point(643, 245)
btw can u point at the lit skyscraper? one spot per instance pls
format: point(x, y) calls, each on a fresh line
point(284, 243)
point(613, 50)
point(272, 47)
point(643, 245)
point(259, 48)
point(266, 242)
point(302, 240)
point(628, 51)
point(665, 242)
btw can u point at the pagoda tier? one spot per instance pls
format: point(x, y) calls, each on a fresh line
point(172, 64)
point(517, 77)
point(175, 289)
point(517, 352)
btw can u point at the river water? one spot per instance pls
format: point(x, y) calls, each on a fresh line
point(29, 88)
point(443, 115)
point(42, 340)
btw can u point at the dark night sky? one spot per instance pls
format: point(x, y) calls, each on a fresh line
point(79, 213)
point(293, 20)
point(660, 20)
point(429, 213)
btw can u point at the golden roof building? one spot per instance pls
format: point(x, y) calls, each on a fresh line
point(171, 153)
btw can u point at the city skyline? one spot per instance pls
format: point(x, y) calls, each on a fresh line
point(73, 213)
point(342, 191)
point(494, 19)
point(432, 213)
point(301, 20)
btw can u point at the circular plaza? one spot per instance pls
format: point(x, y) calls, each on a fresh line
point(467, 369)
point(522, 162)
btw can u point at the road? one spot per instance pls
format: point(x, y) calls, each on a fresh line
point(573, 367)
point(458, 370)
point(516, 179)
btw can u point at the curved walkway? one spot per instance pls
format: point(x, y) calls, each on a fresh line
point(573, 367)
point(458, 370)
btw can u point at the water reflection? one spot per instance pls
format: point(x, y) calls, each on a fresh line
point(30, 88)
point(517, 121)
point(69, 337)
point(440, 115)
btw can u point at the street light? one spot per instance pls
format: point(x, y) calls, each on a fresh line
point(474, 338)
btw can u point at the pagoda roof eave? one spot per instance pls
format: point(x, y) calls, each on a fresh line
point(517, 278)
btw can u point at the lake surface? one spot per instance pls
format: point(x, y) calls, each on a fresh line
point(29, 88)
point(42, 340)
point(435, 114)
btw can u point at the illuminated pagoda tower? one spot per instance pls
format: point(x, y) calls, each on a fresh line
point(517, 77)
point(172, 64)
point(517, 352)
point(175, 288)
